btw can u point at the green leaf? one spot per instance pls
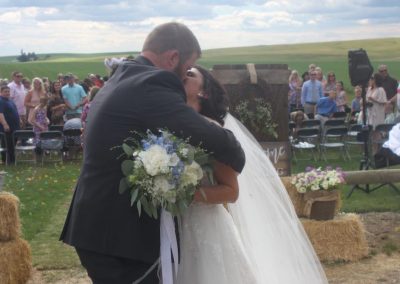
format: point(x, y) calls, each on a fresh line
point(139, 207)
point(146, 206)
point(127, 167)
point(123, 185)
point(134, 195)
point(127, 149)
point(155, 213)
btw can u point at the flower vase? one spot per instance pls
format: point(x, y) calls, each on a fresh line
point(321, 204)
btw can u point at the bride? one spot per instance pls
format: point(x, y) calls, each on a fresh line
point(259, 239)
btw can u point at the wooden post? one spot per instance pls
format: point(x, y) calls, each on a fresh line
point(373, 176)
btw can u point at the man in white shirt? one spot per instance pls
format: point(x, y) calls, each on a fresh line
point(389, 154)
point(17, 95)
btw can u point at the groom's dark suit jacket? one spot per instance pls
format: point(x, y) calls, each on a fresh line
point(137, 97)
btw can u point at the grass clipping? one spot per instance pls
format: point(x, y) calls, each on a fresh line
point(341, 239)
point(10, 227)
point(15, 262)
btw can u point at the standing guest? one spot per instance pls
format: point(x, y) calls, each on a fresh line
point(87, 84)
point(341, 98)
point(330, 84)
point(395, 102)
point(74, 97)
point(326, 107)
point(320, 76)
point(34, 94)
point(311, 67)
point(9, 121)
point(305, 77)
point(27, 84)
point(56, 107)
point(38, 118)
point(311, 93)
point(86, 107)
point(60, 78)
point(294, 91)
point(376, 101)
point(17, 95)
point(388, 83)
point(356, 102)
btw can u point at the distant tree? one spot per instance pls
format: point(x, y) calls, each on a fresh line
point(31, 56)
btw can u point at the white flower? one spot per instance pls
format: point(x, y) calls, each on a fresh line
point(173, 160)
point(161, 184)
point(315, 187)
point(325, 185)
point(192, 174)
point(155, 160)
point(184, 152)
point(302, 189)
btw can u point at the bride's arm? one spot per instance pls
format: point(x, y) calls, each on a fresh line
point(225, 191)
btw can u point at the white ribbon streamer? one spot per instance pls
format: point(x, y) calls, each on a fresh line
point(168, 244)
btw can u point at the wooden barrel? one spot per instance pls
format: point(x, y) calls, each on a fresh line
point(269, 82)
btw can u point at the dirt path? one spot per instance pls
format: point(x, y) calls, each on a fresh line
point(383, 265)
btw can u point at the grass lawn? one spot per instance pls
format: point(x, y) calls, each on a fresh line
point(45, 194)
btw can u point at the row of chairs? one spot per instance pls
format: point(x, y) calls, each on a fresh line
point(334, 135)
point(52, 144)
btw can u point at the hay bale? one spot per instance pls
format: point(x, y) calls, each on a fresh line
point(15, 262)
point(10, 227)
point(299, 200)
point(340, 239)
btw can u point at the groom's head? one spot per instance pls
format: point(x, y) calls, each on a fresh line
point(172, 46)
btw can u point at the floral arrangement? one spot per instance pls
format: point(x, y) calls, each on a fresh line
point(317, 179)
point(162, 171)
point(257, 116)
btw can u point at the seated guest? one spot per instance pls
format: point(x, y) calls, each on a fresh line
point(72, 142)
point(325, 107)
point(389, 154)
point(356, 102)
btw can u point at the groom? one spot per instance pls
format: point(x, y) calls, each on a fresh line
point(114, 244)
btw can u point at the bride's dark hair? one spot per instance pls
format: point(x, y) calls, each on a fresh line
point(214, 103)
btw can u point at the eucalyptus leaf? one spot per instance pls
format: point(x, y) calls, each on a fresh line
point(139, 207)
point(127, 149)
point(127, 167)
point(123, 185)
point(146, 206)
point(134, 195)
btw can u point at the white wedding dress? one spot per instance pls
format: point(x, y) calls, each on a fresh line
point(260, 240)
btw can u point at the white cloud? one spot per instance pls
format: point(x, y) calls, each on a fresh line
point(80, 26)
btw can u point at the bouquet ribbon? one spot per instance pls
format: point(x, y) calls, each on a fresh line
point(168, 245)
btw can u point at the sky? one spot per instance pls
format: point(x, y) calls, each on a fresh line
point(82, 26)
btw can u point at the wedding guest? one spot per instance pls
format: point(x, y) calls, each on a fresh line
point(376, 100)
point(86, 107)
point(311, 92)
point(311, 67)
point(305, 77)
point(34, 94)
point(388, 83)
point(330, 83)
point(56, 106)
point(294, 91)
point(320, 76)
point(17, 95)
point(74, 97)
point(389, 154)
point(9, 122)
point(341, 98)
point(27, 84)
point(356, 102)
point(38, 118)
point(394, 103)
point(326, 107)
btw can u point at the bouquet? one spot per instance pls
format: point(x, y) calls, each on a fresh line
point(162, 171)
point(317, 179)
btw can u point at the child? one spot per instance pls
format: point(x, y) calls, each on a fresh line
point(39, 119)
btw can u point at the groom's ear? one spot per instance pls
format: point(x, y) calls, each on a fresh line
point(171, 59)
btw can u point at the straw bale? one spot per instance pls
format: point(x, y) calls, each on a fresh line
point(10, 227)
point(15, 262)
point(298, 199)
point(340, 239)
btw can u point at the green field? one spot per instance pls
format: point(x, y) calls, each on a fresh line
point(330, 56)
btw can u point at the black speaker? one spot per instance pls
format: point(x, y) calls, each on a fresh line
point(360, 68)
